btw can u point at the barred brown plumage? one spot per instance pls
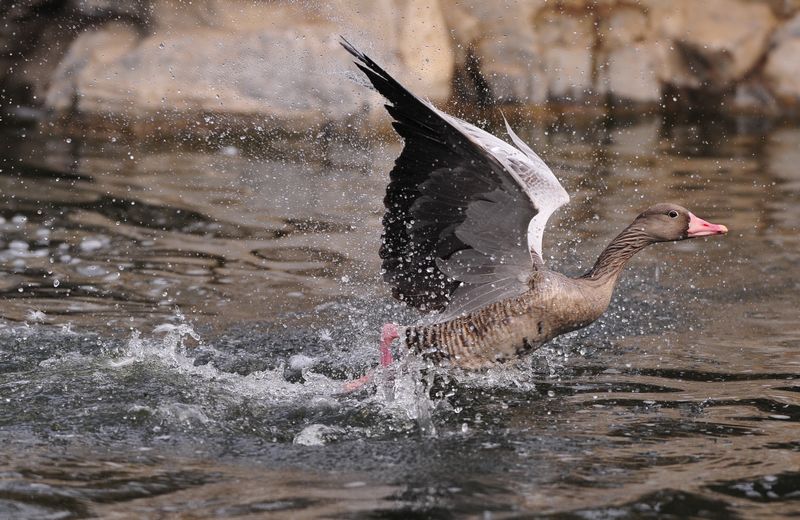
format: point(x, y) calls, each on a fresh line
point(465, 213)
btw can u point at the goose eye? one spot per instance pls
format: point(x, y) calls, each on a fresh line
point(673, 214)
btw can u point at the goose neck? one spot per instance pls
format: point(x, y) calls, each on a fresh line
point(614, 257)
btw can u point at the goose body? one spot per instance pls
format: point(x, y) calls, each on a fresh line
point(510, 328)
point(465, 215)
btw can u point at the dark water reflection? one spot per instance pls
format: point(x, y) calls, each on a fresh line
point(177, 319)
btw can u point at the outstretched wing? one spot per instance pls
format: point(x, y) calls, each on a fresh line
point(465, 211)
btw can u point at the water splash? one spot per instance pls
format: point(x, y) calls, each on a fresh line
point(170, 351)
point(401, 392)
point(404, 390)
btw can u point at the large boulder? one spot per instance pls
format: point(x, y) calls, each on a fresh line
point(273, 61)
point(782, 71)
point(35, 35)
point(85, 78)
point(567, 39)
point(631, 72)
point(715, 42)
point(523, 51)
point(496, 53)
point(622, 25)
point(788, 30)
point(284, 76)
point(425, 47)
point(279, 62)
point(629, 64)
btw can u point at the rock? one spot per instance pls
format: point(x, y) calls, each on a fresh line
point(629, 66)
point(465, 25)
point(511, 69)
point(622, 26)
point(275, 62)
point(786, 8)
point(568, 73)
point(567, 41)
point(285, 76)
point(34, 42)
point(497, 58)
point(85, 69)
point(790, 29)
point(425, 47)
point(630, 73)
point(782, 71)
point(555, 27)
point(278, 63)
point(717, 42)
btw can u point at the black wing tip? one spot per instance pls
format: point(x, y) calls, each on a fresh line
point(368, 65)
point(350, 48)
point(363, 59)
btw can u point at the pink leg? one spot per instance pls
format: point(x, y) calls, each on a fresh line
point(355, 384)
point(388, 334)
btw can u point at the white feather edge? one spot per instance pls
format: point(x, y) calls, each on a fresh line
point(547, 201)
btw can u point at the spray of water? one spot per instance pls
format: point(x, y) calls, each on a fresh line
point(167, 347)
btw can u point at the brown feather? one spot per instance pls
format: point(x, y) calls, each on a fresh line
point(554, 304)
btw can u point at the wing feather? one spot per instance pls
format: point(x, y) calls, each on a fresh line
point(465, 211)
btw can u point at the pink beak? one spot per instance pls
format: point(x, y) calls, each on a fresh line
point(700, 228)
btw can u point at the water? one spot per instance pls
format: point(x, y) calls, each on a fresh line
point(178, 319)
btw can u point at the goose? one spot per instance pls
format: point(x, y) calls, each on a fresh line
point(462, 237)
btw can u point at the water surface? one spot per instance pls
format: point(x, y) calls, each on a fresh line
point(178, 319)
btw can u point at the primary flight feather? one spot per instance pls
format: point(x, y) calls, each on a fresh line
point(465, 215)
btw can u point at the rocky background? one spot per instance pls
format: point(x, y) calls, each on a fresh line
point(175, 65)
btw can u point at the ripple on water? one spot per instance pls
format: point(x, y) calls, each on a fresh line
point(681, 401)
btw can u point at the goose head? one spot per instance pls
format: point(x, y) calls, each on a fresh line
point(666, 222)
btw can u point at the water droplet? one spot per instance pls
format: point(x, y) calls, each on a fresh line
point(56, 282)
